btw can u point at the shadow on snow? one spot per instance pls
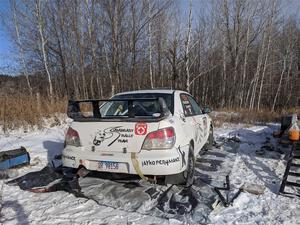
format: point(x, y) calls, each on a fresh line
point(189, 204)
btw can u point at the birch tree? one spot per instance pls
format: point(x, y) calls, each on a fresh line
point(41, 25)
point(187, 48)
point(150, 43)
point(269, 31)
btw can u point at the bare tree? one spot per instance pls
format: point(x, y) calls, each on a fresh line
point(187, 48)
point(228, 53)
point(150, 43)
point(41, 24)
point(270, 27)
point(16, 23)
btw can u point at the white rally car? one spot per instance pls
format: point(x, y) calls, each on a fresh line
point(151, 133)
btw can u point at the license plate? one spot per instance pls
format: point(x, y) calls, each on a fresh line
point(108, 166)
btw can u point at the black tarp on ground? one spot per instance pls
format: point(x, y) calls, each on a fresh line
point(130, 194)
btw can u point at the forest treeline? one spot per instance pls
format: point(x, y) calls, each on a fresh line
point(227, 53)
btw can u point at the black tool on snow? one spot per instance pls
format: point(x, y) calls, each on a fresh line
point(227, 202)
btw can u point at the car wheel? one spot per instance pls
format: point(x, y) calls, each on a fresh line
point(189, 173)
point(210, 141)
point(186, 177)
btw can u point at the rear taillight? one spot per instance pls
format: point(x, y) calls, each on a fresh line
point(160, 139)
point(72, 137)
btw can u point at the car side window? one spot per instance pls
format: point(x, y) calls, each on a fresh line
point(196, 108)
point(186, 105)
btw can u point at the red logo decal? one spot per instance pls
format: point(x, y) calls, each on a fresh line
point(140, 129)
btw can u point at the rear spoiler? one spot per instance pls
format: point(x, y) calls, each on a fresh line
point(74, 107)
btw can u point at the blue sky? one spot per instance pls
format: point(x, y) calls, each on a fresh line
point(8, 53)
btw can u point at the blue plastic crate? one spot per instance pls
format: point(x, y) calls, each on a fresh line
point(13, 158)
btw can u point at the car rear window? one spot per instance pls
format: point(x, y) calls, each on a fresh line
point(120, 109)
point(127, 106)
point(167, 97)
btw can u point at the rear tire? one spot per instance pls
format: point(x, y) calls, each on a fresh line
point(186, 177)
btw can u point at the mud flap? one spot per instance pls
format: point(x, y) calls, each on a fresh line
point(137, 168)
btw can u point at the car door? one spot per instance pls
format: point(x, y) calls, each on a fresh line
point(189, 124)
point(200, 123)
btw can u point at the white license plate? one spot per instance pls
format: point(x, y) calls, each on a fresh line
point(108, 166)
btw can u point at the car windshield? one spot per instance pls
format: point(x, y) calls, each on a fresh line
point(141, 108)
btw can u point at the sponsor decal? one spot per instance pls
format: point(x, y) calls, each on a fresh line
point(187, 108)
point(140, 129)
point(164, 162)
point(171, 121)
point(182, 155)
point(198, 133)
point(68, 157)
point(126, 135)
point(113, 134)
point(101, 136)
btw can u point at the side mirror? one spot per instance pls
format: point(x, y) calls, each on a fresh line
point(206, 110)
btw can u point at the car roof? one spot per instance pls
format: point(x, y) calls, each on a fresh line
point(158, 91)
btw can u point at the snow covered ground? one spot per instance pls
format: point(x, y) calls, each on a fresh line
point(109, 202)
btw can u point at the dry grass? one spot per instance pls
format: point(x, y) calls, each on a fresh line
point(247, 116)
point(26, 111)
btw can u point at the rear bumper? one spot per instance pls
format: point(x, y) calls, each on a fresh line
point(154, 162)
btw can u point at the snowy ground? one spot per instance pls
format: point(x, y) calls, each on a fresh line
point(112, 202)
